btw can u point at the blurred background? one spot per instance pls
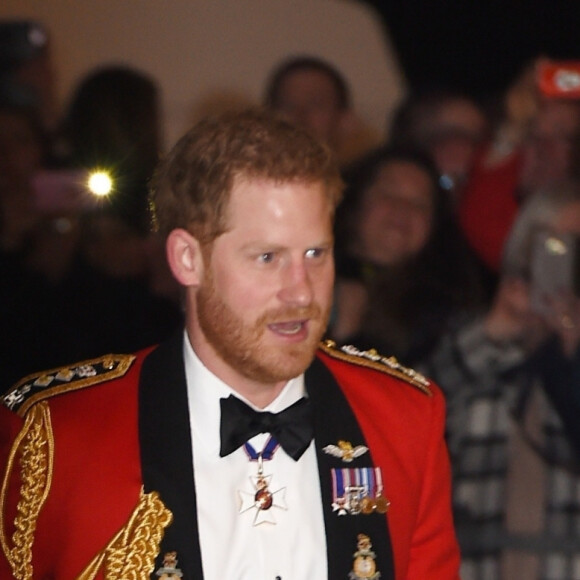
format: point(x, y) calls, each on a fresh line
point(477, 46)
point(208, 54)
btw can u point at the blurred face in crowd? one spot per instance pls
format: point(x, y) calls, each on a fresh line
point(568, 219)
point(114, 247)
point(396, 216)
point(39, 75)
point(309, 98)
point(264, 294)
point(458, 129)
point(20, 151)
point(547, 152)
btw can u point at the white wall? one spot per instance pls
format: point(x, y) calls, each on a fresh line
point(208, 52)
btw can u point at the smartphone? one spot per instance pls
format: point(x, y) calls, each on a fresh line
point(559, 79)
point(554, 264)
point(62, 191)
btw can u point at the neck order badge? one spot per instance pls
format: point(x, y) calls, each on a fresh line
point(262, 499)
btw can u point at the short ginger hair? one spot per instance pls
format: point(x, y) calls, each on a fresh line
point(192, 185)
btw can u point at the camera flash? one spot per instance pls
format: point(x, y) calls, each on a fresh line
point(100, 183)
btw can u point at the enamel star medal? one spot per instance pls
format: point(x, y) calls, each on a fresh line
point(262, 499)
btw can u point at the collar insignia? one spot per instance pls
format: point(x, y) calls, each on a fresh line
point(38, 387)
point(364, 565)
point(372, 359)
point(169, 570)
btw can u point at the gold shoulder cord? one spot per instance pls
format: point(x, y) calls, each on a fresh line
point(36, 443)
point(131, 554)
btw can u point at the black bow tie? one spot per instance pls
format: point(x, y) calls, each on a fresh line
point(292, 428)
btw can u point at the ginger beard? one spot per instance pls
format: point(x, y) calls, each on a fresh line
point(244, 346)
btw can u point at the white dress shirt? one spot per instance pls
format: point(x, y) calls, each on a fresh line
point(232, 547)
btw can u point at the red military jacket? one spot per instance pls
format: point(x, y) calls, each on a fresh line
point(97, 468)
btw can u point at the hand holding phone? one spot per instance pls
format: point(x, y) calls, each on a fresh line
point(553, 269)
point(62, 191)
point(559, 79)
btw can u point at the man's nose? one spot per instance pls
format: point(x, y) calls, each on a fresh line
point(296, 286)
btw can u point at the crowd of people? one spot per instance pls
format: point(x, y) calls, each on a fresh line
point(449, 247)
point(81, 275)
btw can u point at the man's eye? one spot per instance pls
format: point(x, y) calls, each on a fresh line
point(314, 253)
point(266, 257)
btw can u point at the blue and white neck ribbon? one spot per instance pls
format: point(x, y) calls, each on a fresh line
point(267, 452)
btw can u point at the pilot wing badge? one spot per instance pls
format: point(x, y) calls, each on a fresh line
point(345, 450)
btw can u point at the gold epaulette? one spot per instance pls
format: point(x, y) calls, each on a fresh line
point(38, 387)
point(372, 359)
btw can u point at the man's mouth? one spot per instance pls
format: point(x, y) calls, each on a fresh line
point(288, 328)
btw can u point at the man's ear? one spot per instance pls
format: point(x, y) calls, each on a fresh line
point(184, 257)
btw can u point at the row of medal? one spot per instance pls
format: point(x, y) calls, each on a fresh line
point(358, 490)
